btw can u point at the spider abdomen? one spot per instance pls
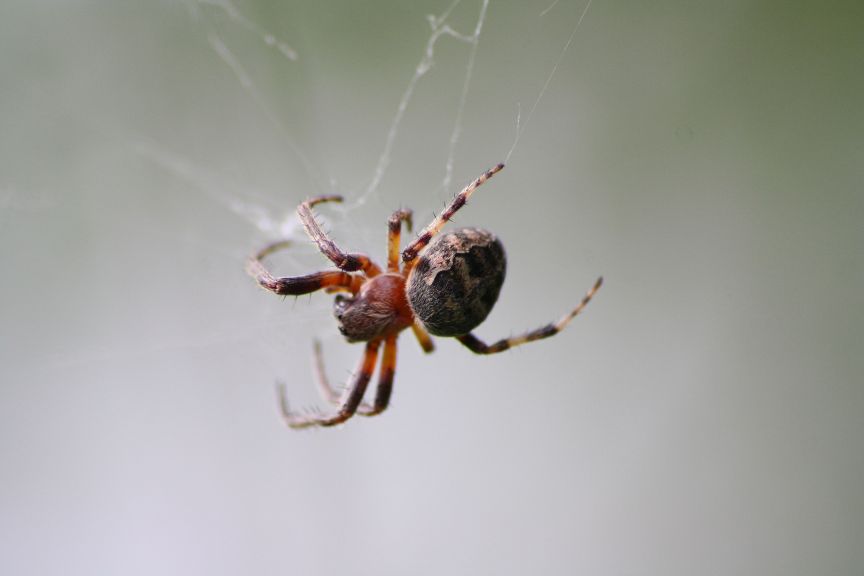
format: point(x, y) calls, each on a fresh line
point(456, 281)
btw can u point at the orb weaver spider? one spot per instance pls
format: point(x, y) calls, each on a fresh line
point(447, 285)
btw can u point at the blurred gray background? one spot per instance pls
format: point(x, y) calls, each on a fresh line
point(704, 416)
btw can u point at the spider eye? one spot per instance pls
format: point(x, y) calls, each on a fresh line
point(340, 305)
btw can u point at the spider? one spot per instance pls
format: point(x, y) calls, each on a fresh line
point(447, 285)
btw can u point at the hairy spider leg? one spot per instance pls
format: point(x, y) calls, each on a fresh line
point(342, 260)
point(294, 286)
point(348, 401)
point(410, 253)
point(479, 347)
point(386, 374)
point(394, 233)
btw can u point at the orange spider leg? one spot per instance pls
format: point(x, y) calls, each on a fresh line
point(423, 337)
point(394, 231)
point(383, 391)
point(296, 285)
point(386, 373)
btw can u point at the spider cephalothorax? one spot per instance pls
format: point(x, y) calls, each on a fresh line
point(447, 286)
point(379, 307)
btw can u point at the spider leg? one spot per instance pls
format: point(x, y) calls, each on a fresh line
point(410, 253)
point(328, 393)
point(479, 347)
point(385, 380)
point(342, 260)
point(423, 337)
point(394, 230)
point(297, 285)
point(348, 401)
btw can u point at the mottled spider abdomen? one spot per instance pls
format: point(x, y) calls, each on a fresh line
point(456, 281)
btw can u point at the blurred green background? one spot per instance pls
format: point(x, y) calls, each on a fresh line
point(704, 416)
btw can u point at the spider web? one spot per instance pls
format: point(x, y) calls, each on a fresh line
point(222, 23)
point(278, 225)
point(242, 197)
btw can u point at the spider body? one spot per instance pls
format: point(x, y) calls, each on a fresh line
point(456, 281)
point(446, 286)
